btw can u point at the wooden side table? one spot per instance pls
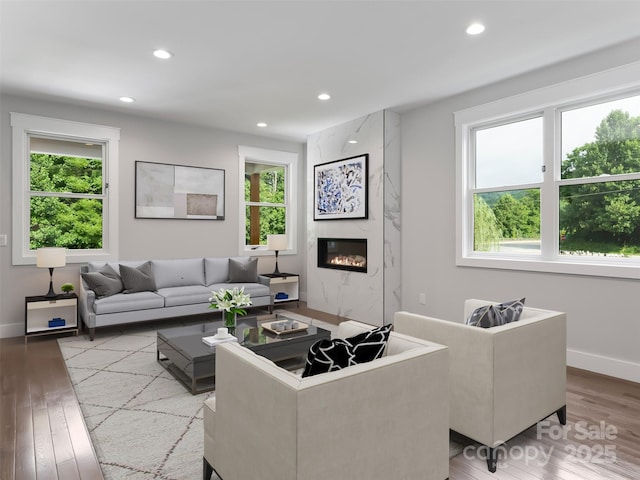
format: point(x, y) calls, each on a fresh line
point(45, 315)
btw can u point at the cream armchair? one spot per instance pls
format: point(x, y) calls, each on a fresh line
point(502, 379)
point(367, 421)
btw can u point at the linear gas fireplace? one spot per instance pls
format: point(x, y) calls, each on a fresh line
point(343, 254)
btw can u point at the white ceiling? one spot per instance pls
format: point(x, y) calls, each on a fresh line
point(237, 62)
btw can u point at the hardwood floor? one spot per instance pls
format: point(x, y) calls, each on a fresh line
point(43, 435)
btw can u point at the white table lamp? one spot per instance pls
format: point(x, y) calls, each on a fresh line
point(51, 257)
point(277, 243)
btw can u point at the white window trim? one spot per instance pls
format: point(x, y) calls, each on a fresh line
point(24, 125)
point(273, 157)
point(549, 100)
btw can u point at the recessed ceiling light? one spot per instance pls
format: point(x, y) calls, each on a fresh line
point(163, 54)
point(127, 99)
point(475, 29)
point(261, 124)
point(324, 96)
point(353, 141)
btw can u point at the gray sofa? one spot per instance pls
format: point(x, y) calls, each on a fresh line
point(183, 287)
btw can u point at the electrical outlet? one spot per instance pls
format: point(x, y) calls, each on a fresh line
point(422, 298)
point(3, 240)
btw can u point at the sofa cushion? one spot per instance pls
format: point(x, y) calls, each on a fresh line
point(105, 281)
point(190, 295)
point(96, 266)
point(329, 355)
point(243, 270)
point(216, 270)
point(123, 302)
point(138, 279)
point(493, 315)
point(254, 290)
point(178, 272)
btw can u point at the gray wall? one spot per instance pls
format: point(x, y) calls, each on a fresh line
point(148, 140)
point(603, 318)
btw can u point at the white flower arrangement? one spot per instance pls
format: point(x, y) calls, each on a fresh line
point(230, 300)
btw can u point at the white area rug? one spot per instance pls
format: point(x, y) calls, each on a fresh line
point(144, 423)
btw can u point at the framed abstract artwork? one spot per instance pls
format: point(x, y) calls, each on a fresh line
point(179, 192)
point(340, 189)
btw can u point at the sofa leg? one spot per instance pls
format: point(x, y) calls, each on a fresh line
point(207, 470)
point(562, 415)
point(492, 460)
point(92, 333)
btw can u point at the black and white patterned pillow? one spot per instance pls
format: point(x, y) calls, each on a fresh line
point(329, 355)
point(367, 346)
point(326, 356)
point(493, 315)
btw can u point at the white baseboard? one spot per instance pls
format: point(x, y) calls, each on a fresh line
point(604, 365)
point(11, 330)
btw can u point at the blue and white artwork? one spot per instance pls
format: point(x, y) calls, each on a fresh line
point(341, 189)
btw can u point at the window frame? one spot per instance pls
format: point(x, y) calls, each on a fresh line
point(550, 102)
point(24, 126)
point(289, 161)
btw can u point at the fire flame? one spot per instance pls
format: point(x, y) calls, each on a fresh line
point(349, 260)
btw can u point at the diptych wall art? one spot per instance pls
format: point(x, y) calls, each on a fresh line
point(340, 189)
point(177, 191)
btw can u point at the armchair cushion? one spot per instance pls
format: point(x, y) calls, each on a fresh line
point(328, 355)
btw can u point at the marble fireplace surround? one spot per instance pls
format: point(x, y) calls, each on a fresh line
point(372, 296)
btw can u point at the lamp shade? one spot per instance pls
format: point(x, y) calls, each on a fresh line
point(51, 257)
point(277, 242)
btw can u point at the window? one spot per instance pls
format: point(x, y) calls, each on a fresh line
point(506, 197)
point(600, 179)
point(268, 196)
point(63, 195)
point(550, 180)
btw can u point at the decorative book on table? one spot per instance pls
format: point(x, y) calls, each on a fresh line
point(214, 340)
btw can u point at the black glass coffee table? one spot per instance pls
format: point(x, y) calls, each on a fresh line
point(183, 353)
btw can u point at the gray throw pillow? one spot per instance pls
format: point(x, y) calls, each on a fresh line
point(138, 279)
point(485, 317)
point(512, 310)
point(243, 271)
point(493, 315)
point(104, 282)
